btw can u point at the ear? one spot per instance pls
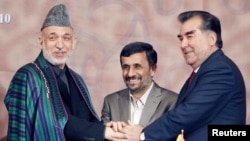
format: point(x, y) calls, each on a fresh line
point(74, 42)
point(153, 70)
point(40, 42)
point(212, 38)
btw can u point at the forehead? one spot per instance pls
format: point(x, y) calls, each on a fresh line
point(190, 25)
point(57, 30)
point(135, 58)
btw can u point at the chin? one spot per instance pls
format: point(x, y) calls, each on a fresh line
point(57, 62)
point(60, 62)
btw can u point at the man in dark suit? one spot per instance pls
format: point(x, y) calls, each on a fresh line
point(216, 94)
point(143, 101)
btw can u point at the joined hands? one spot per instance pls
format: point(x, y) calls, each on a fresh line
point(121, 131)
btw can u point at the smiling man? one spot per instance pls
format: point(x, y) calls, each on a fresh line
point(216, 94)
point(46, 99)
point(143, 101)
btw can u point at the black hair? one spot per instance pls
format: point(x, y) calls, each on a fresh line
point(136, 47)
point(209, 22)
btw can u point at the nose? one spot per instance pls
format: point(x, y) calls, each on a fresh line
point(59, 43)
point(131, 72)
point(184, 43)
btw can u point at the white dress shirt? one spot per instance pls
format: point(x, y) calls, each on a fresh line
point(136, 106)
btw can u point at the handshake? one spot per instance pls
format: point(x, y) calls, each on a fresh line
point(121, 131)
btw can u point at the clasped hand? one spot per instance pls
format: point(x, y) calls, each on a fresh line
point(121, 131)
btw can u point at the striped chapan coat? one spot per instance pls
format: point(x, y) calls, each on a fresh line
point(35, 107)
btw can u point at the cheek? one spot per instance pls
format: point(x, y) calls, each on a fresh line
point(49, 48)
point(69, 45)
point(49, 45)
point(124, 73)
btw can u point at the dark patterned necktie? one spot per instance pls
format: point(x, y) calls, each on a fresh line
point(191, 78)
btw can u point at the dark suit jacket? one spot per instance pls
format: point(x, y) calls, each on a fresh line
point(216, 96)
point(116, 106)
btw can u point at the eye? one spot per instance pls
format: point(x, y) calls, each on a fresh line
point(52, 38)
point(125, 67)
point(67, 38)
point(180, 38)
point(138, 66)
point(190, 36)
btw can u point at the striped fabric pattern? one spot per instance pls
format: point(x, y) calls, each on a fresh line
point(33, 114)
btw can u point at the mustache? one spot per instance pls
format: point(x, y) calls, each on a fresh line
point(132, 78)
point(59, 51)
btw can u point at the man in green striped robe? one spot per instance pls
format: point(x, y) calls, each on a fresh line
point(48, 101)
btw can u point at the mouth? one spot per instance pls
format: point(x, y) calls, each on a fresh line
point(132, 80)
point(187, 53)
point(60, 54)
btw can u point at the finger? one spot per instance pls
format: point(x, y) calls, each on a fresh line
point(120, 126)
point(130, 122)
point(115, 126)
point(109, 124)
point(124, 124)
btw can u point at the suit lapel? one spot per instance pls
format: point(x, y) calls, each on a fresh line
point(182, 93)
point(186, 89)
point(124, 102)
point(152, 102)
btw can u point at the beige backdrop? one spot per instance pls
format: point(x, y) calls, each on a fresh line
point(104, 27)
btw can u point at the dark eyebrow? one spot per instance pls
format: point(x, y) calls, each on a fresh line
point(190, 32)
point(187, 33)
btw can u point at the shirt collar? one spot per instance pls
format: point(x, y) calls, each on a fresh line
point(196, 70)
point(59, 71)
